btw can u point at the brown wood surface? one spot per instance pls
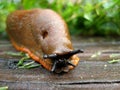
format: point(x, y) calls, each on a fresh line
point(91, 73)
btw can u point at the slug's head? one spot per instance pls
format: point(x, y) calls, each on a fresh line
point(61, 61)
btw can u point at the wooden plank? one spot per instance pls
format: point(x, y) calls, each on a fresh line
point(90, 74)
point(87, 73)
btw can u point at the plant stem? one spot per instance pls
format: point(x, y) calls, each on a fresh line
point(22, 60)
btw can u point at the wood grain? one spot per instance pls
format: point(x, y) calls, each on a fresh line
point(90, 74)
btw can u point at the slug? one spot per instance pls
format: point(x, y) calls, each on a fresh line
point(44, 35)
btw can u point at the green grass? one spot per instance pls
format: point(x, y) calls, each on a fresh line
point(84, 17)
point(4, 88)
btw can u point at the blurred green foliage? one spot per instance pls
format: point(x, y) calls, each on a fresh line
point(84, 17)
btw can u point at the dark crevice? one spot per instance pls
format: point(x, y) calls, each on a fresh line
point(74, 83)
point(94, 82)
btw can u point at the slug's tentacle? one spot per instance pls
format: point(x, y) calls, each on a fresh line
point(61, 60)
point(66, 55)
point(51, 56)
point(54, 66)
point(71, 53)
point(69, 63)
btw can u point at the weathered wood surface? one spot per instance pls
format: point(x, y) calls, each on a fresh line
point(91, 73)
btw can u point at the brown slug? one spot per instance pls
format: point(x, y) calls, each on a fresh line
point(44, 35)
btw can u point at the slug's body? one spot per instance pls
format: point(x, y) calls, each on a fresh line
point(44, 35)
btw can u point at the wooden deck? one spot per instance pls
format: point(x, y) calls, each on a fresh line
point(93, 72)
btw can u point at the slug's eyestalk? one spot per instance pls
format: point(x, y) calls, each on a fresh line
point(51, 56)
point(61, 60)
point(65, 55)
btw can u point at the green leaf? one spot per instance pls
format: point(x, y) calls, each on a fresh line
point(23, 59)
point(15, 53)
point(88, 16)
point(114, 61)
point(4, 88)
